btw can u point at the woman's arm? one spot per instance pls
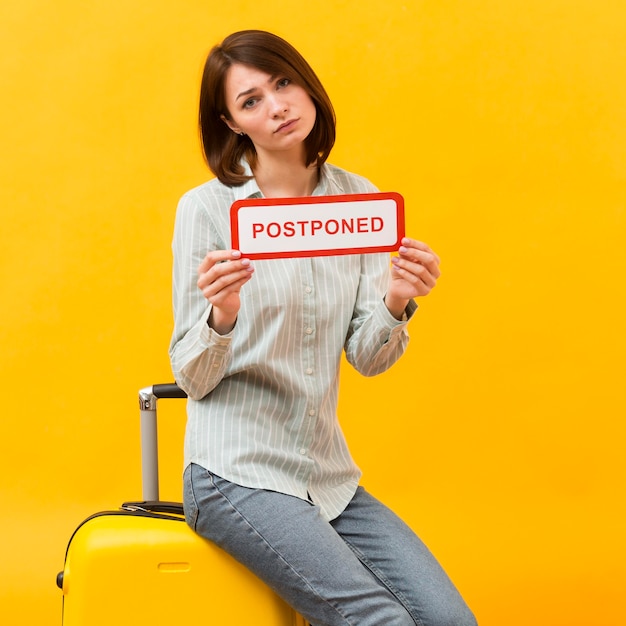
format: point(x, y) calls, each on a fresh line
point(385, 303)
point(199, 354)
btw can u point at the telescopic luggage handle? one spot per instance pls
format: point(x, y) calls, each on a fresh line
point(148, 397)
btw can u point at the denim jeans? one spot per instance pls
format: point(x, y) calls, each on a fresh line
point(364, 568)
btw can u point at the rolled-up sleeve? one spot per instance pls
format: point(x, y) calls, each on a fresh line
point(376, 339)
point(198, 355)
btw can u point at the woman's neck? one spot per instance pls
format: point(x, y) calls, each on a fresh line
point(278, 178)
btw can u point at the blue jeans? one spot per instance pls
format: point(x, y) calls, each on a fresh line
point(364, 568)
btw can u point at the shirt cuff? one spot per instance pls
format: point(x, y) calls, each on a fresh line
point(408, 313)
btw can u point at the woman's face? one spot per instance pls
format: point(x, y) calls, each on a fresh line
point(275, 113)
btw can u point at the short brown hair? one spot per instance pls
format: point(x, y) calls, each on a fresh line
point(223, 149)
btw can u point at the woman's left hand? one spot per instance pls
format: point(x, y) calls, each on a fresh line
point(414, 273)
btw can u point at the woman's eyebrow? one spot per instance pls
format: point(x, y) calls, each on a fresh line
point(247, 92)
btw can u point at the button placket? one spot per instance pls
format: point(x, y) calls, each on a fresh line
point(307, 432)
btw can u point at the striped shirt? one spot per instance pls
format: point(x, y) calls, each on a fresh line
point(262, 407)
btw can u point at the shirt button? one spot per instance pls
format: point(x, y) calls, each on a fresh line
point(309, 370)
point(308, 331)
point(307, 290)
point(312, 412)
point(302, 450)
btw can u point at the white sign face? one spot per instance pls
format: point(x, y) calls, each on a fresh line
point(268, 228)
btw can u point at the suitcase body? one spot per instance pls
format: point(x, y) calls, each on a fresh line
point(143, 564)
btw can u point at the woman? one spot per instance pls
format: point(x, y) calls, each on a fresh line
point(257, 347)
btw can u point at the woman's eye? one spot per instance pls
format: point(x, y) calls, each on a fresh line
point(249, 103)
point(283, 82)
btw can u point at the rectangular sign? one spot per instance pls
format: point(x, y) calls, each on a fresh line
point(271, 228)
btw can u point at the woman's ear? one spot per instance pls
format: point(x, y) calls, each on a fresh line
point(230, 125)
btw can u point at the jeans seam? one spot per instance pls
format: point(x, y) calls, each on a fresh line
point(278, 554)
point(386, 582)
point(194, 501)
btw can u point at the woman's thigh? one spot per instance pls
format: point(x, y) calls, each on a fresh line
point(365, 568)
point(400, 561)
point(286, 542)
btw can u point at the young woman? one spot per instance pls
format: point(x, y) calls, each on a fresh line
point(257, 347)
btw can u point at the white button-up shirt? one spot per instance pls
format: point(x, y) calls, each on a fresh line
point(262, 407)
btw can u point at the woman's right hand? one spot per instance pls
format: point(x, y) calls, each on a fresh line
point(221, 275)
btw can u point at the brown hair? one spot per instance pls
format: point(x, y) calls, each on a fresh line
point(264, 51)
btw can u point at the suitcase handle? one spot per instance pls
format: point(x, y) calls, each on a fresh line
point(168, 390)
point(148, 397)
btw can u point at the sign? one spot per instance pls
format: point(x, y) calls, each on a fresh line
point(270, 228)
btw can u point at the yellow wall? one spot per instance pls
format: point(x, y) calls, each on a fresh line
point(499, 437)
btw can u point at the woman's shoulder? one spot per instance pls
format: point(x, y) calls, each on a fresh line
point(347, 182)
point(208, 193)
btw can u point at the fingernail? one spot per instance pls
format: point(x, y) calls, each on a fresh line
point(236, 254)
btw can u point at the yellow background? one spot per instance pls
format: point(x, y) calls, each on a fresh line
point(499, 437)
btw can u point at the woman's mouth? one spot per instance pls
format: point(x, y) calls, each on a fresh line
point(286, 126)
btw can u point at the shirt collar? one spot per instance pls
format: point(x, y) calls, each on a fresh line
point(249, 189)
point(327, 185)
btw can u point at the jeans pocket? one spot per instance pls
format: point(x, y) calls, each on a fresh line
point(190, 505)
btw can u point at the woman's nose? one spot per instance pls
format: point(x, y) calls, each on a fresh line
point(277, 106)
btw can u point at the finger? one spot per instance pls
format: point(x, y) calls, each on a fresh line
point(415, 274)
point(226, 284)
point(221, 275)
point(217, 256)
point(218, 263)
point(216, 295)
point(428, 260)
point(414, 244)
point(421, 264)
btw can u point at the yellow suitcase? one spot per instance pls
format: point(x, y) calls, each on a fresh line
point(142, 564)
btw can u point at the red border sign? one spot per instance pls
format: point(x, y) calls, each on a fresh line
point(271, 228)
